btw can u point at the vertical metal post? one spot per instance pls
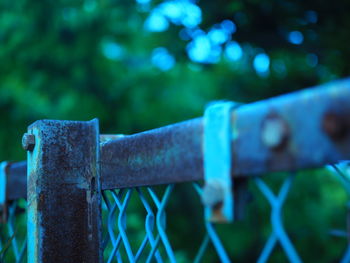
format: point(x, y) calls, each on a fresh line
point(64, 213)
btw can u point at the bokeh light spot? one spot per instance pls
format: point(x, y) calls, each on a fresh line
point(162, 59)
point(218, 36)
point(199, 49)
point(233, 51)
point(229, 26)
point(261, 64)
point(180, 12)
point(295, 37)
point(156, 22)
point(112, 50)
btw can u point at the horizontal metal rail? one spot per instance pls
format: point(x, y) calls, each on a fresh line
point(17, 180)
point(304, 129)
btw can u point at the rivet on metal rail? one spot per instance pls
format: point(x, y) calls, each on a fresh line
point(217, 193)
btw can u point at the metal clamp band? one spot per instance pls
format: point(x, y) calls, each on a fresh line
point(217, 194)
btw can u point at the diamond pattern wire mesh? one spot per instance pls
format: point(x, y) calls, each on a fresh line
point(13, 241)
point(343, 174)
point(155, 246)
point(155, 224)
point(124, 242)
point(155, 238)
point(278, 232)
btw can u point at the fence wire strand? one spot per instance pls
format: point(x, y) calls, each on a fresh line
point(278, 232)
point(155, 245)
point(13, 244)
point(341, 172)
point(156, 237)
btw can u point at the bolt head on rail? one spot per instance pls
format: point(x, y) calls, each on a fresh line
point(28, 142)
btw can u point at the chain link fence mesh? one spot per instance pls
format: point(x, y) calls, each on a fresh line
point(126, 211)
point(142, 224)
point(13, 240)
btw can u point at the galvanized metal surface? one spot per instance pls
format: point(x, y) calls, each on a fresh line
point(314, 130)
point(64, 192)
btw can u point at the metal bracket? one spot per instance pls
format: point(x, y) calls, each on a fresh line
point(217, 194)
point(3, 187)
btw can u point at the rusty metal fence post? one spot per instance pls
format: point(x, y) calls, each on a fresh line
point(64, 185)
point(64, 217)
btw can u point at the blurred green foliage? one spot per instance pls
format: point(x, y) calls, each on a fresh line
point(53, 64)
point(56, 63)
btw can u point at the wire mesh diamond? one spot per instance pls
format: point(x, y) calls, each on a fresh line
point(155, 245)
point(13, 239)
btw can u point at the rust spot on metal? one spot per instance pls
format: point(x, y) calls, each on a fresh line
point(41, 202)
point(213, 194)
point(217, 215)
point(335, 126)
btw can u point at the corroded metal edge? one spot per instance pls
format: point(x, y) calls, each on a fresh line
point(64, 217)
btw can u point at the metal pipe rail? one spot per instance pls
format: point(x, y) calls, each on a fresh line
point(304, 129)
point(70, 164)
